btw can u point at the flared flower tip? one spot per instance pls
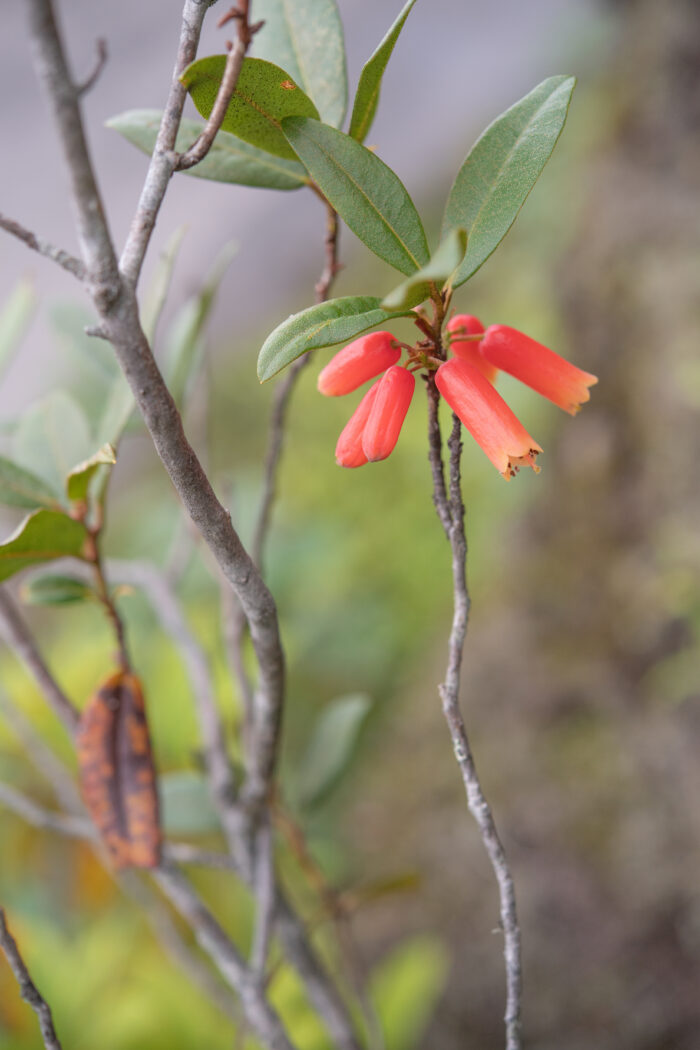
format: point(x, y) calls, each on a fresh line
point(487, 417)
point(394, 393)
point(357, 362)
point(470, 349)
point(538, 367)
point(349, 451)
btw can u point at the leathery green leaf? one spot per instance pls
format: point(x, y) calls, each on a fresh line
point(365, 192)
point(502, 167)
point(335, 321)
point(55, 590)
point(432, 277)
point(306, 38)
point(230, 159)
point(370, 82)
point(43, 536)
point(265, 94)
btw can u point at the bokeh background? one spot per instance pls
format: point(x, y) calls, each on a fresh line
point(582, 668)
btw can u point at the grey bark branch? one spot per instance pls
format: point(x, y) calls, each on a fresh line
point(28, 990)
point(164, 158)
point(37, 244)
point(16, 635)
point(44, 760)
point(452, 508)
point(114, 298)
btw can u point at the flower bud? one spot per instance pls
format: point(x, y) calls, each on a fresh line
point(394, 393)
point(537, 366)
point(357, 362)
point(470, 349)
point(349, 451)
point(487, 417)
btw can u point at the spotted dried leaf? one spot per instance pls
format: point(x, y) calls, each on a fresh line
point(117, 774)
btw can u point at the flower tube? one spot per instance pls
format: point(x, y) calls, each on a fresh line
point(394, 393)
point(537, 366)
point(470, 349)
point(357, 362)
point(349, 451)
point(487, 417)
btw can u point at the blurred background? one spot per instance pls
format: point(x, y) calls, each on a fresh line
point(581, 683)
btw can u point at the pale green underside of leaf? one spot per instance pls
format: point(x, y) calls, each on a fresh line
point(331, 747)
point(43, 536)
point(369, 85)
point(503, 166)
point(78, 481)
point(230, 159)
point(305, 37)
point(364, 191)
point(22, 488)
point(433, 276)
point(335, 321)
point(15, 316)
point(52, 436)
point(265, 94)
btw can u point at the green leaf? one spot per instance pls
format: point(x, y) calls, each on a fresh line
point(229, 159)
point(78, 480)
point(405, 989)
point(502, 168)
point(265, 94)
point(154, 301)
point(306, 38)
point(367, 95)
point(43, 536)
point(367, 194)
point(15, 316)
point(187, 808)
point(185, 335)
point(331, 747)
point(21, 488)
point(416, 288)
point(335, 321)
point(52, 436)
point(55, 590)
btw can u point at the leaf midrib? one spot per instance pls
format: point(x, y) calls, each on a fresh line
point(497, 180)
point(348, 176)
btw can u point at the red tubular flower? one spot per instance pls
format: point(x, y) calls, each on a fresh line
point(349, 451)
point(470, 349)
point(394, 393)
point(487, 417)
point(357, 362)
point(537, 366)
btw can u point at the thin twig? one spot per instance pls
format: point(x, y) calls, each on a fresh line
point(234, 60)
point(437, 467)
point(265, 898)
point(184, 955)
point(37, 244)
point(449, 694)
point(16, 635)
point(211, 937)
point(91, 80)
point(28, 990)
point(44, 760)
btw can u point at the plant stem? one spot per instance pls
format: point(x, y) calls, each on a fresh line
point(451, 508)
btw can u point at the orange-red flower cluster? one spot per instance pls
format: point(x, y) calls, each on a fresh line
point(465, 381)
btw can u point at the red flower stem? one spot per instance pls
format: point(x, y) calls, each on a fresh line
point(451, 513)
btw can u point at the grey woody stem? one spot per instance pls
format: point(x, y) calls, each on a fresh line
point(28, 990)
point(450, 508)
point(111, 288)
